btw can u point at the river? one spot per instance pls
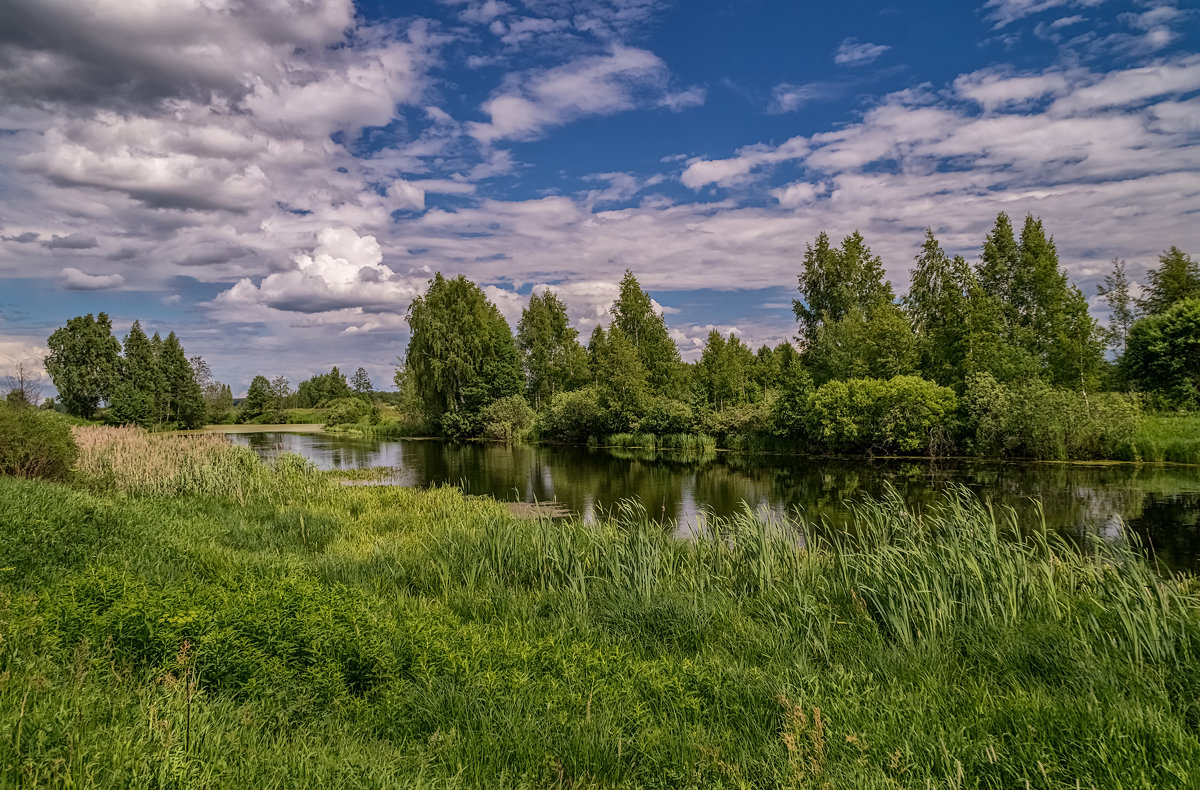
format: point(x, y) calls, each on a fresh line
point(1159, 503)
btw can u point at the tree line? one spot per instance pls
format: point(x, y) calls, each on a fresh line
point(867, 370)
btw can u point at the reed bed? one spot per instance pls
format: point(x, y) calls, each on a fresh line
point(1167, 438)
point(162, 632)
point(135, 462)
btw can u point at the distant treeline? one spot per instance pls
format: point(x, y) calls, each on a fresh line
point(997, 358)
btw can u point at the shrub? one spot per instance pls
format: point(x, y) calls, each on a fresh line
point(663, 416)
point(903, 414)
point(1035, 420)
point(507, 419)
point(574, 416)
point(744, 420)
point(35, 443)
point(346, 410)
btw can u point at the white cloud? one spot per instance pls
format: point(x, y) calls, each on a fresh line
point(533, 101)
point(1005, 12)
point(75, 280)
point(737, 169)
point(852, 52)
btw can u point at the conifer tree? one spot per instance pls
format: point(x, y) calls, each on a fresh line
point(183, 398)
point(137, 397)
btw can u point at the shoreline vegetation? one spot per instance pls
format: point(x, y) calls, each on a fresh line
point(176, 612)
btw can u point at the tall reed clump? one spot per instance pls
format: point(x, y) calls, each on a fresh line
point(135, 462)
point(961, 564)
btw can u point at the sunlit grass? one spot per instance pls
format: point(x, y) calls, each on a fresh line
point(288, 631)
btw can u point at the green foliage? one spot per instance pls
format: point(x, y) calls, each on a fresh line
point(1163, 353)
point(507, 419)
point(574, 416)
point(1169, 438)
point(461, 355)
point(1032, 419)
point(724, 376)
point(321, 389)
point(939, 303)
point(904, 414)
point(1115, 292)
point(346, 410)
point(876, 343)
point(35, 443)
point(1177, 278)
point(634, 316)
point(260, 404)
point(834, 281)
point(553, 359)
point(1037, 309)
point(621, 378)
point(361, 383)
point(83, 363)
point(749, 419)
point(665, 416)
point(789, 412)
point(183, 400)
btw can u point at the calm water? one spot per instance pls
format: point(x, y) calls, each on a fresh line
point(1161, 503)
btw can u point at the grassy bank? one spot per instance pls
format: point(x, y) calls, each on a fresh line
point(182, 615)
point(1166, 438)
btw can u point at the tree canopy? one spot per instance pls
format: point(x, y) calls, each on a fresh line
point(82, 363)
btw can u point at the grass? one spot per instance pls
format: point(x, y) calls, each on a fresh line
point(287, 631)
point(1167, 438)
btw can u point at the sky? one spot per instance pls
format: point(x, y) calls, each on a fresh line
point(275, 180)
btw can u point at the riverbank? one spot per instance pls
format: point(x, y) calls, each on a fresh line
point(300, 632)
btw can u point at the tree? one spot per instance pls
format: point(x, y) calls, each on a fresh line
point(259, 401)
point(139, 397)
point(834, 281)
point(22, 387)
point(1163, 353)
point(723, 374)
point(873, 343)
point(461, 354)
point(218, 399)
point(1115, 292)
point(938, 304)
point(622, 379)
point(997, 272)
point(321, 389)
point(361, 383)
point(554, 361)
point(1176, 278)
point(183, 398)
point(634, 315)
point(83, 363)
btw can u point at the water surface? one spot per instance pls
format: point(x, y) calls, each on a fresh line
point(1160, 503)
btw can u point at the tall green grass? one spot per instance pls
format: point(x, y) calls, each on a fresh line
point(319, 635)
point(1166, 438)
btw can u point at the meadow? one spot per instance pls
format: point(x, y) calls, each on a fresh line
point(180, 614)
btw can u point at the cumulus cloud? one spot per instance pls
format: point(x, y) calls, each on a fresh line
point(853, 52)
point(75, 280)
point(344, 271)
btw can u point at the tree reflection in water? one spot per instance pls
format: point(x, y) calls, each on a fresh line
point(1161, 504)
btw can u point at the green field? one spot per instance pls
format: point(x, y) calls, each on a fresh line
point(181, 615)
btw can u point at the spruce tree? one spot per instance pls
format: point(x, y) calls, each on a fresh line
point(136, 398)
point(184, 400)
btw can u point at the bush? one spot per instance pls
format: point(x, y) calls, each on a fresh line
point(1035, 420)
point(35, 443)
point(745, 420)
point(346, 410)
point(663, 416)
point(574, 416)
point(507, 419)
point(904, 414)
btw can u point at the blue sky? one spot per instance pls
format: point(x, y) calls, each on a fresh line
point(276, 180)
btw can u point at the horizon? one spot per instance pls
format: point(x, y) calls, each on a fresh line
point(277, 188)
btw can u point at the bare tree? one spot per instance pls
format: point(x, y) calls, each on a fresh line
point(23, 387)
